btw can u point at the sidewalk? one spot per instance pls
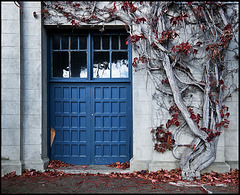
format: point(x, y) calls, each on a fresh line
point(102, 179)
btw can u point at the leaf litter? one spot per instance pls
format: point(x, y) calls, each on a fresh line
point(161, 176)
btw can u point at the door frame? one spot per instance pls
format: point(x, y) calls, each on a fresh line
point(88, 80)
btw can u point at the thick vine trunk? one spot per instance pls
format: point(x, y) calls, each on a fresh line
point(191, 161)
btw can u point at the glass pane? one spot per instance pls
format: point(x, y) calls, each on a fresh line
point(65, 42)
point(101, 64)
point(60, 64)
point(96, 42)
point(56, 42)
point(115, 42)
point(123, 39)
point(74, 42)
point(119, 64)
point(105, 41)
point(83, 42)
point(79, 64)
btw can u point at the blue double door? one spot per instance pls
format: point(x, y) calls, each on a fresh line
point(92, 122)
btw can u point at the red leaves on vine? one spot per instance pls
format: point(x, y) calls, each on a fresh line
point(139, 20)
point(199, 43)
point(212, 135)
point(221, 82)
point(174, 111)
point(193, 116)
point(135, 38)
point(174, 108)
point(175, 19)
point(225, 38)
point(227, 34)
point(224, 121)
point(167, 35)
point(165, 81)
point(136, 60)
point(227, 114)
point(128, 6)
point(75, 23)
point(76, 5)
point(184, 48)
point(164, 138)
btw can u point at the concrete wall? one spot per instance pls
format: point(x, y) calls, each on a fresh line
point(34, 87)
point(24, 89)
point(10, 88)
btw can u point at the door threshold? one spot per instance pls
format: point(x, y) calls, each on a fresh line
point(90, 169)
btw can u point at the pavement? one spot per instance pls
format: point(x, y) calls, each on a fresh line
point(100, 179)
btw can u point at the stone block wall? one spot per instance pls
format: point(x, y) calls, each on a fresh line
point(10, 88)
point(23, 110)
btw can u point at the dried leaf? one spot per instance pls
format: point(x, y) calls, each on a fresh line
point(53, 133)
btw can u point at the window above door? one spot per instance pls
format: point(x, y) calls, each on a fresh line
point(90, 57)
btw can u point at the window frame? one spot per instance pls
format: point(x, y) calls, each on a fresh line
point(90, 53)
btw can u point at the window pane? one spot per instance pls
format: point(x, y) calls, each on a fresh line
point(96, 42)
point(115, 42)
point(65, 42)
point(119, 64)
point(56, 42)
point(123, 39)
point(79, 64)
point(101, 64)
point(105, 41)
point(83, 42)
point(60, 64)
point(74, 42)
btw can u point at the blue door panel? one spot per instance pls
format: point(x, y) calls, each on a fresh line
point(92, 122)
point(70, 118)
point(111, 129)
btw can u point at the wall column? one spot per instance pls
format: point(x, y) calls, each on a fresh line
point(11, 151)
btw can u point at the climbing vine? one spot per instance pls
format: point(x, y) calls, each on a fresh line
point(183, 47)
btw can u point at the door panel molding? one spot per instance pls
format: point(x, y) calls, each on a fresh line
point(91, 121)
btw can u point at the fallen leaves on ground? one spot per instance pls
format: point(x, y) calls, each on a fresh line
point(53, 164)
point(120, 165)
point(173, 175)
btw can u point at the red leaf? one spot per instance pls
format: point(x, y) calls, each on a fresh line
point(177, 123)
point(34, 14)
point(174, 49)
point(199, 43)
point(73, 22)
point(218, 125)
point(202, 27)
point(195, 51)
point(192, 116)
point(221, 82)
point(227, 114)
point(139, 20)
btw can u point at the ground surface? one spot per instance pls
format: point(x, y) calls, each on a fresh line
point(62, 178)
point(83, 183)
